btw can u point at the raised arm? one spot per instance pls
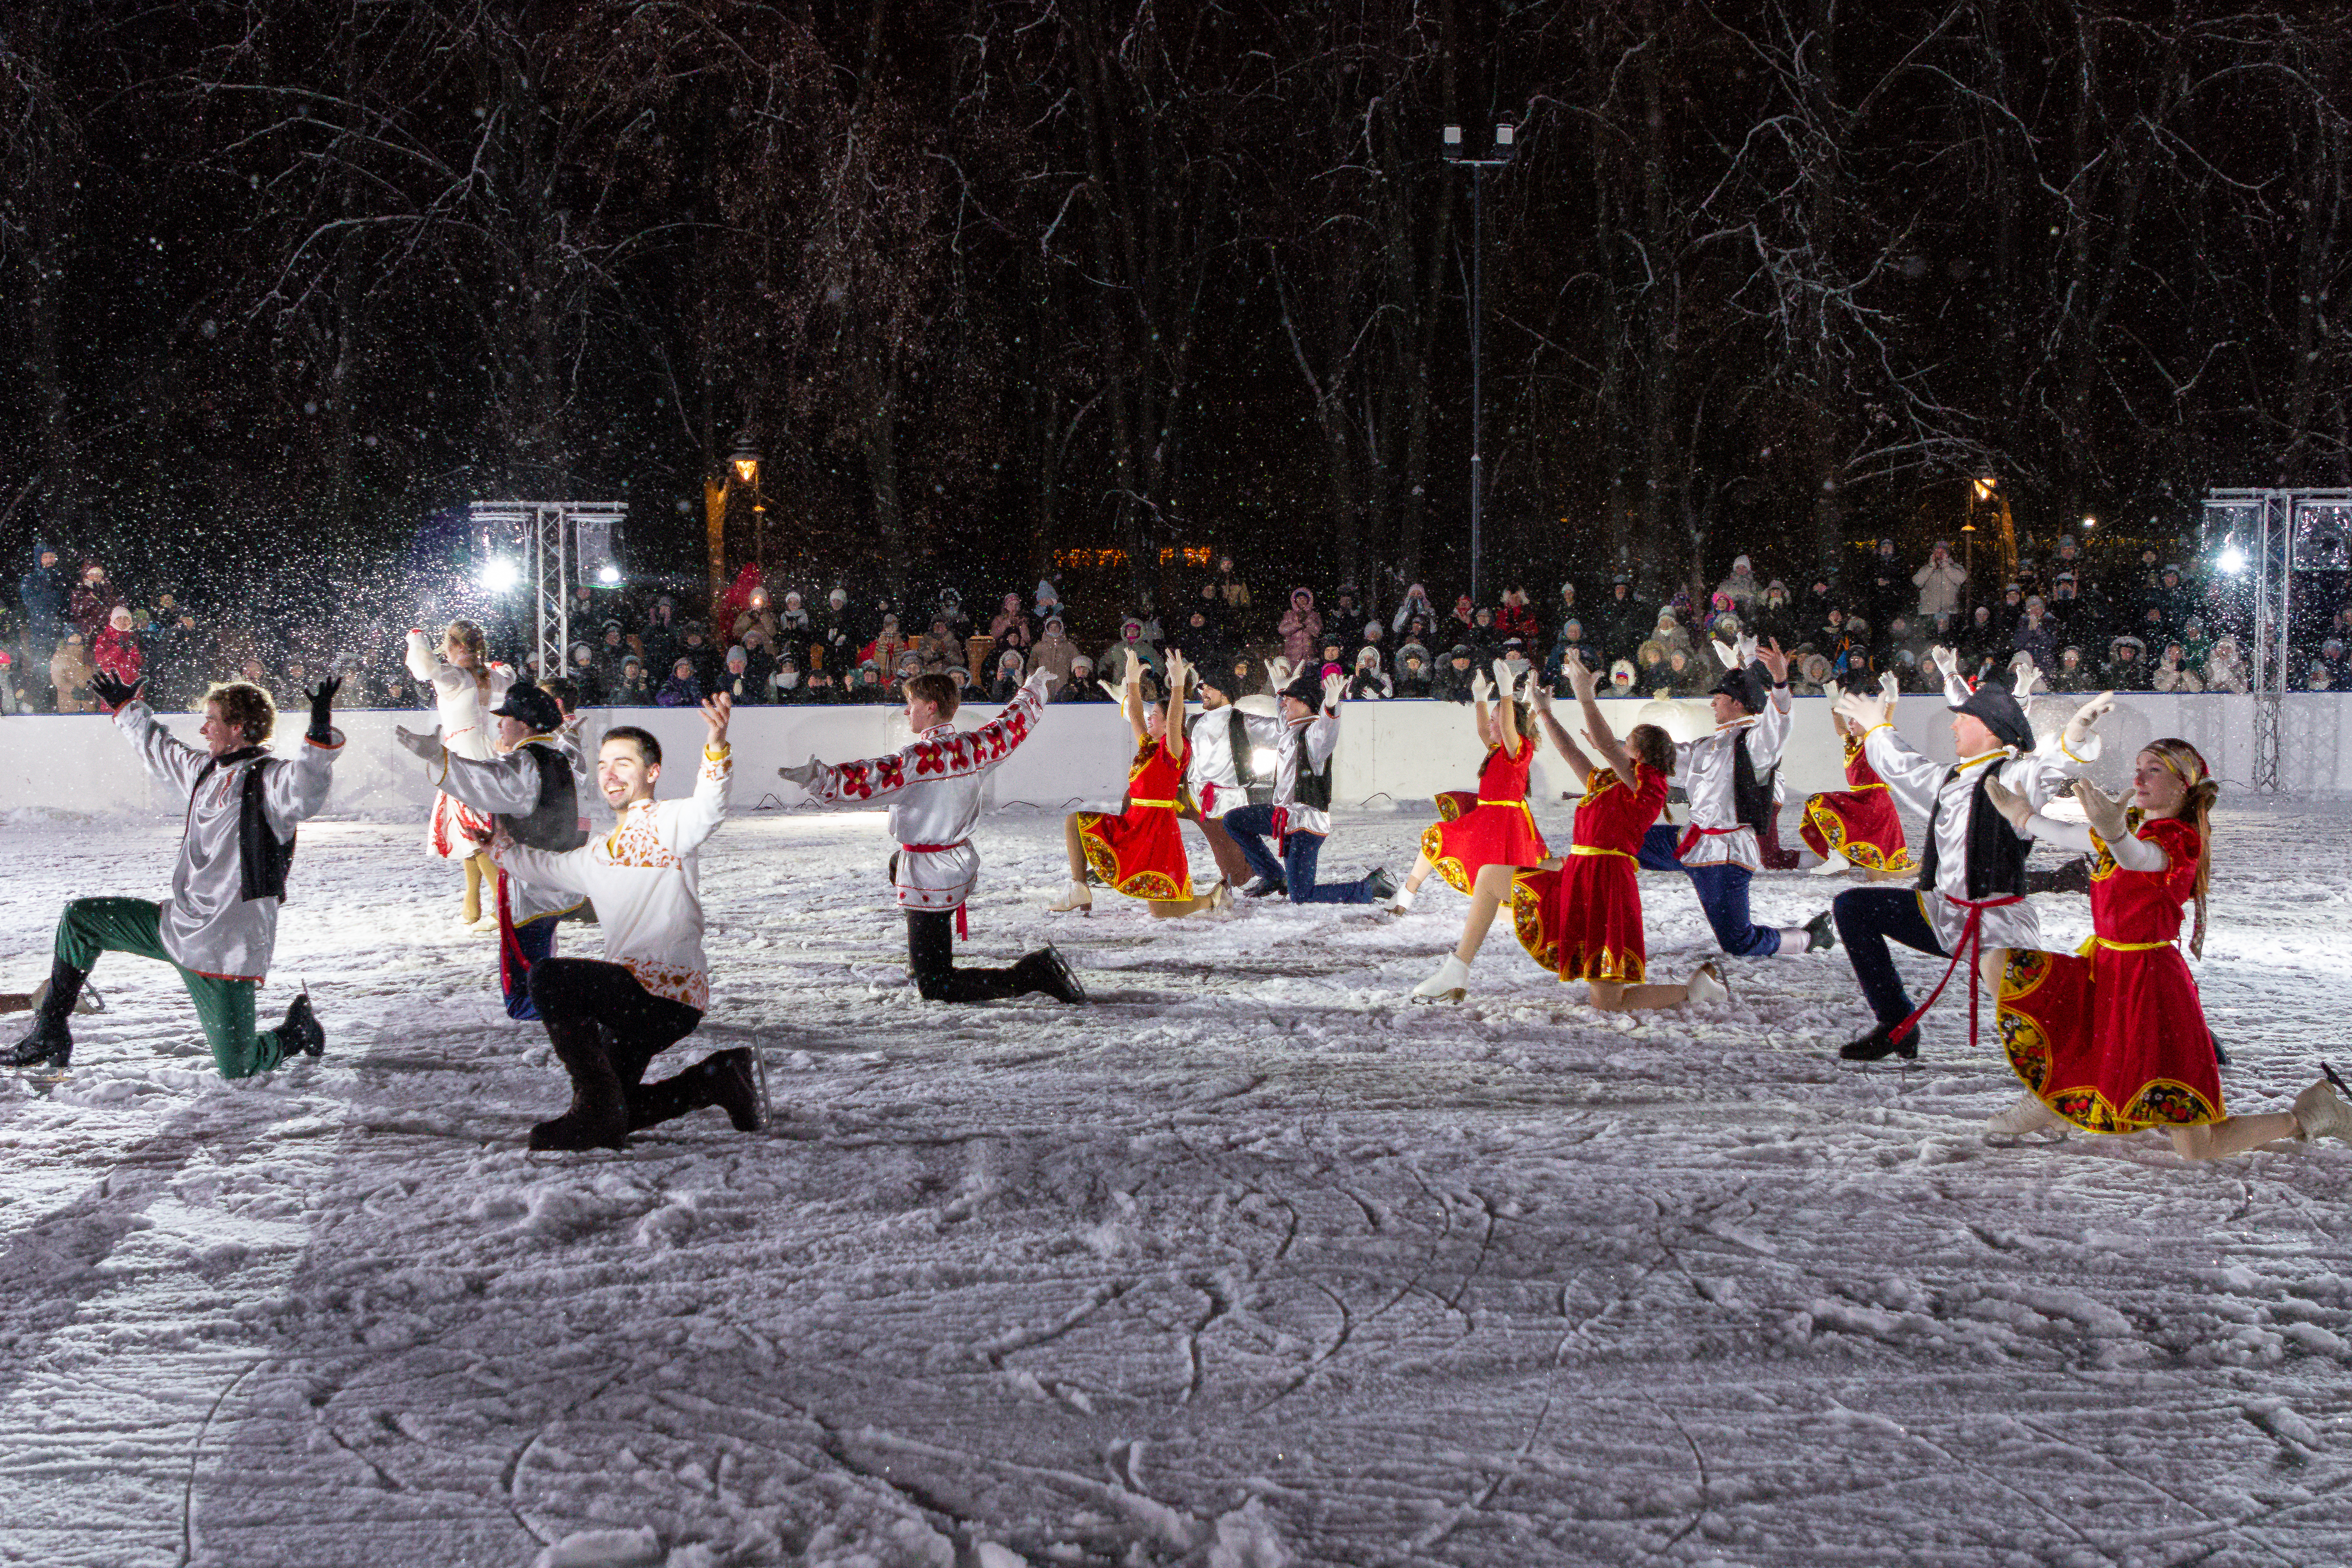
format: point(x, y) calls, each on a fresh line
point(507, 783)
point(1506, 700)
point(1569, 752)
point(1171, 716)
point(1910, 778)
point(174, 761)
point(1131, 697)
point(879, 778)
point(700, 814)
point(1596, 724)
point(1770, 737)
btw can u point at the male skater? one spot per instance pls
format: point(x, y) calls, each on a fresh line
point(528, 787)
point(1299, 819)
point(609, 1019)
point(1221, 767)
point(219, 926)
point(933, 786)
point(1728, 777)
point(1971, 901)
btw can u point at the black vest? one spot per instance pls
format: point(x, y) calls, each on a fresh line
point(1313, 789)
point(553, 824)
point(262, 859)
point(1751, 792)
point(1996, 853)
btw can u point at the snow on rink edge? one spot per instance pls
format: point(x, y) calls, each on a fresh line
point(1248, 1263)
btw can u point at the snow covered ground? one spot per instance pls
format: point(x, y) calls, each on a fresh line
point(1248, 1263)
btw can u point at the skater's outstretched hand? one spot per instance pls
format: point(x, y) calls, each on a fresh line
point(716, 709)
point(323, 703)
point(1043, 679)
point(800, 773)
point(1946, 660)
point(1580, 679)
point(1889, 687)
point(1864, 711)
point(1334, 686)
point(2103, 812)
point(1481, 688)
point(2009, 803)
point(2077, 735)
point(1504, 682)
point(1775, 662)
point(1834, 691)
point(114, 693)
point(428, 746)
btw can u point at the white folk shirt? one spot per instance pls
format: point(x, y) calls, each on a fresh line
point(458, 698)
point(933, 786)
point(645, 876)
point(1210, 765)
point(1920, 784)
point(508, 785)
point(209, 927)
point(1317, 737)
point(1704, 769)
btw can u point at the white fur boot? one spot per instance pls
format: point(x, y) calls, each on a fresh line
point(1451, 981)
point(2028, 1115)
point(1831, 865)
point(1077, 898)
point(1401, 900)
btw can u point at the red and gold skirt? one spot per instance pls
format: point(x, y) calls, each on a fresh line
point(2112, 1042)
point(1490, 833)
point(1583, 921)
point(1139, 852)
point(1859, 824)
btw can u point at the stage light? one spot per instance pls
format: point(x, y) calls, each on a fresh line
point(2231, 559)
point(2090, 523)
point(1263, 761)
point(608, 574)
point(499, 574)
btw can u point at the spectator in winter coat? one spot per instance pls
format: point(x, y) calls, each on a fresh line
point(1011, 627)
point(2126, 668)
point(92, 600)
point(2037, 634)
point(1741, 588)
point(1485, 637)
point(869, 690)
point(1343, 613)
point(1811, 670)
point(1082, 687)
point(2171, 675)
point(684, 687)
point(585, 679)
point(1516, 620)
point(1132, 646)
point(1774, 618)
point(1569, 641)
point(1463, 621)
point(1412, 671)
point(1568, 608)
point(116, 650)
point(1848, 650)
point(755, 611)
point(2224, 669)
point(44, 595)
point(1198, 640)
point(1620, 678)
point(1375, 636)
point(70, 675)
point(2331, 662)
point(1055, 652)
point(658, 643)
point(1009, 676)
point(736, 682)
point(1687, 674)
point(1300, 627)
point(1415, 602)
point(760, 660)
point(694, 647)
point(1668, 634)
point(942, 648)
point(634, 689)
point(788, 684)
point(888, 644)
point(1939, 583)
point(1369, 684)
point(1650, 672)
point(1233, 590)
point(1980, 640)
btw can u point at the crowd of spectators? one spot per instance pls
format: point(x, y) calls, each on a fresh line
point(2134, 625)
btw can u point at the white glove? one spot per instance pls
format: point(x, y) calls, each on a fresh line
point(1947, 660)
point(1504, 681)
point(1531, 693)
point(1334, 686)
point(2102, 811)
point(2008, 802)
point(1043, 679)
point(1831, 690)
point(1889, 687)
point(1116, 694)
point(1481, 688)
point(1864, 711)
point(428, 746)
point(803, 774)
point(2081, 744)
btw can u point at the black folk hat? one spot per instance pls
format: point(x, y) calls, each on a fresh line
point(533, 707)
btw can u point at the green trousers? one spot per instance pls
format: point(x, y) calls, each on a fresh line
point(95, 926)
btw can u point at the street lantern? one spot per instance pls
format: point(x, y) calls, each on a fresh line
point(1505, 144)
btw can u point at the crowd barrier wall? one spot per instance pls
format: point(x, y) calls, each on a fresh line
point(1390, 752)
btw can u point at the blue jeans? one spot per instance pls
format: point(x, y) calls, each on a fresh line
point(1251, 825)
point(1722, 896)
point(536, 940)
point(1868, 918)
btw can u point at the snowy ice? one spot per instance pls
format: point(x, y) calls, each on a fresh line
point(1249, 1263)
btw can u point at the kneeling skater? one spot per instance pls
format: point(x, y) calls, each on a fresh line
point(1582, 917)
point(1856, 828)
point(1299, 819)
point(219, 927)
point(1139, 850)
point(608, 1019)
point(933, 786)
point(1495, 825)
point(2113, 1039)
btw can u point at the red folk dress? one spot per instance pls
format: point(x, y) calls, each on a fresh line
point(1858, 822)
point(2112, 1037)
point(1583, 921)
point(1496, 830)
point(1140, 851)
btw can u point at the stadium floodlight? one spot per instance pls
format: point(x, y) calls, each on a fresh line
point(608, 574)
point(499, 574)
point(2232, 559)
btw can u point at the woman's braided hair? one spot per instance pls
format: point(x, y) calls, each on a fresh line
point(2184, 762)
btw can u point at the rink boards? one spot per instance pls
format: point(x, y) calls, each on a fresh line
point(1400, 752)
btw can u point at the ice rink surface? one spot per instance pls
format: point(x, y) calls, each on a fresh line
point(1248, 1263)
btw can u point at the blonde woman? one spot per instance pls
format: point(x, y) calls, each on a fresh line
point(466, 685)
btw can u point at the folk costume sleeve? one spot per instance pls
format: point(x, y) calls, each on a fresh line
point(2134, 853)
point(1910, 778)
point(507, 785)
point(169, 761)
point(294, 790)
point(700, 814)
point(1768, 736)
point(942, 754)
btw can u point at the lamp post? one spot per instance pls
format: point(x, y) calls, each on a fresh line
point(1505, 145)
point(742, 471)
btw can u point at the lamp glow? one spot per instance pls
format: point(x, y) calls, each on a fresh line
point(499, 574)
point(2231, 559)
point(608, 574)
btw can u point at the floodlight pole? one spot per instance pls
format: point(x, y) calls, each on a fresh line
point(1505, 145)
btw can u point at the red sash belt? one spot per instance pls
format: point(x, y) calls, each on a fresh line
point(963, 930)
point(1972, 942)
point(1692, 835)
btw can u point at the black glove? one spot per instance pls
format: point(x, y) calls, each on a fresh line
point(114, 693)
point(322, 698)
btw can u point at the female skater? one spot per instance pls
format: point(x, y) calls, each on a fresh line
point(1139, 851)
point(2114, 1039)
point(1582, 917)
point(1493, 827)
point(466, 684)
point(1857, 826)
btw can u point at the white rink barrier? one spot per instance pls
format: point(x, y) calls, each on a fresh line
point(1396, 753)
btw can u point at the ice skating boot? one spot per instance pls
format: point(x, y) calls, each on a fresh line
point(50, 1043)
point(1077, 898)
point(1450, 984)
point(301, 1030)
point(1705, 986)
point(1879, 1044)
point(734, 1089)
point(721, 1080)
point(2321, 1113)
point(1221, 897)
point(1046, 970)
point(599, 1114)
point(2029, 1114)
point(1821, 933)
point(1831, 864)
point(90, 1001)
point(1380, 886)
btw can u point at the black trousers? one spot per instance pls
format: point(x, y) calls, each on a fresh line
point(930, 953)
point(607, 1029)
